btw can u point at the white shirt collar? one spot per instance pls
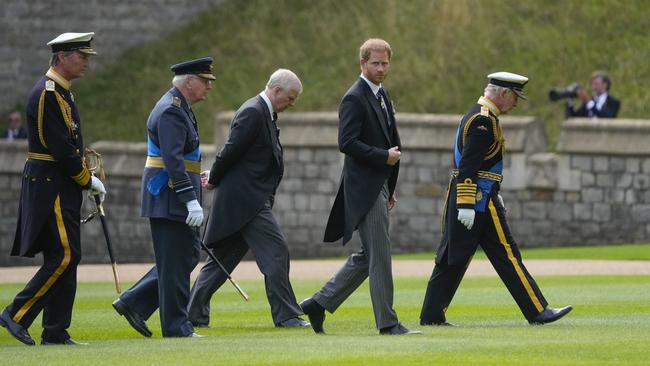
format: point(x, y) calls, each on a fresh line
point(268, 103)
point(374, 87)
point(600, 101)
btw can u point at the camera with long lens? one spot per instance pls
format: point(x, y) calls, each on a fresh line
point(570, 91)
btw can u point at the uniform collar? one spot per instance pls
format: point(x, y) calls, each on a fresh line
point(65, 84)
point(184, 103)
point(484, 101)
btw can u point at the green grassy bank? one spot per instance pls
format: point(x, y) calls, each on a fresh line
point(442, 51)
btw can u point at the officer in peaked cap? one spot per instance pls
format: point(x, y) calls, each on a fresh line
point(475, 213)
point(171, 199)
point(51, 195)
point(510, 81)
point(73, 42)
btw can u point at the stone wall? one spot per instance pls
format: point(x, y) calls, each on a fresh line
point(593, 190)
point(26, 27)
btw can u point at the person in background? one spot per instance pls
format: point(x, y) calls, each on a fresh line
point(15, 128)
point(600, 105)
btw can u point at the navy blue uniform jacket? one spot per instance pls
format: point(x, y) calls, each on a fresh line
point(172, 128)
point(55, 166)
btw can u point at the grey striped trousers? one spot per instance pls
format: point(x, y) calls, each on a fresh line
point(372, 261)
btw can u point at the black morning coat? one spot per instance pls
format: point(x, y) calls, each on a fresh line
point(246, 172)
point(364, 138)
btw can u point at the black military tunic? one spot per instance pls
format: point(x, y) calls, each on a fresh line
point(478, 161)
point(50, 202)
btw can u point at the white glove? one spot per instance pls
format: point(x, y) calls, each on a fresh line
point(194, 213)
point(501, 201)
point(466, 217)
point(97, 188)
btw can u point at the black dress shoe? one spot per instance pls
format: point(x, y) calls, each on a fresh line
point(133, 318)
point(16, 330)
point(398, 329)
point(550, 315)
point(315, 313)
point(67, 342)
point(293, 323)
point(434, 324)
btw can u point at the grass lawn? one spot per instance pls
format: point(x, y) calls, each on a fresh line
point(610, 325)
point(609, 252)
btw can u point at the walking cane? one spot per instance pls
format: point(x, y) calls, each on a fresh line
point(95, 165)
point(214, 258)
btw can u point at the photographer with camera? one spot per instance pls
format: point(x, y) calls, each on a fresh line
point(600, 105)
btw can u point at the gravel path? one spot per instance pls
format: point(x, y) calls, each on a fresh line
point(324, 269)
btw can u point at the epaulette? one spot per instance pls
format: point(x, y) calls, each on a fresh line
point(49, 85)
point(176, 101)
point(485, 111)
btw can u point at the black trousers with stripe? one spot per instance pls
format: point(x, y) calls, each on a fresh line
point(53, 287)
point(503, 253)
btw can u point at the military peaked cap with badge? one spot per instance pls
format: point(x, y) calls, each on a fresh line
point(73, 42)
point(509, 80)
point(201, 67)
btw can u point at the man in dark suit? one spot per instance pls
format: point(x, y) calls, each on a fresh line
point(246, 174)
point(601, 105)
point(369, 139)
point(474, 212)
point(15, 128)
point(171, 197)
point(51, 195)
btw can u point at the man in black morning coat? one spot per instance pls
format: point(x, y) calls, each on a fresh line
point(246, 174)
point(369, 139)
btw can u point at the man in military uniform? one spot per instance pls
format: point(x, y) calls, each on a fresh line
point(50, 200)
point(171, 196)
point(475, 213)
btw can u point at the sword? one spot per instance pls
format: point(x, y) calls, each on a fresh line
point(102, 217)
point(96, 165)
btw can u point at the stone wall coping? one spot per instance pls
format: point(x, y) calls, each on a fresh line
point(418, 131)
point(605, 137)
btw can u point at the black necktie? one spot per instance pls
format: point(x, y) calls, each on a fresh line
point(382, 103)
point(274, 119)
